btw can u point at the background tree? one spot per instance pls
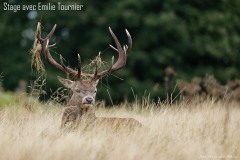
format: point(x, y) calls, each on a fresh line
point(195, 37)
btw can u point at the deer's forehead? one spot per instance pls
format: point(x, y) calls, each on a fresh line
point(85, 84)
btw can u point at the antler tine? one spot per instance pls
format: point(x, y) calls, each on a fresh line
point(45, 50)
point(122, 55)
point(96, 72)
point(115, 39)
point(61, 61)
point(96, 67)
point(38, 34)
point(79, 68)
point(129, 46)
point(113, 47)
point(49, 36)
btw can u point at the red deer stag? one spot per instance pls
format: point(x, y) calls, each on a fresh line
point(81, 103)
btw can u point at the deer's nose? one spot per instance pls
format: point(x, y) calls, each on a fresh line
point(89, 100)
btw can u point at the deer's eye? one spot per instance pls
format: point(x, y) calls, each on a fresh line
point(78, 90)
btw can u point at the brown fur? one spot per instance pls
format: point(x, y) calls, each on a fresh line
point(117, 124)
point(74, 113)
point(80, 106)
point(77, 112)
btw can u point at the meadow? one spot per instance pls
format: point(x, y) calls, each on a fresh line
point(196, 130)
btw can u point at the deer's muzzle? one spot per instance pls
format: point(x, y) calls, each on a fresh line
point(88, 100)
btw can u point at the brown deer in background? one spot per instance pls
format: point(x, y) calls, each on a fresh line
point(81, 103)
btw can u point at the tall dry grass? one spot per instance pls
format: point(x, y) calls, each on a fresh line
point(206, 130)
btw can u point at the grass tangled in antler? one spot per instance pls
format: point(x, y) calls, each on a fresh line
point(36, 52)
point(87, 71)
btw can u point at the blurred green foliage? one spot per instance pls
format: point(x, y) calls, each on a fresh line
point(6, 99)
point(195, 37)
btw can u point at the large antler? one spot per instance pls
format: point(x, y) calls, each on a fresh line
point(121, 62)
point(122, 56)
point(45, 50)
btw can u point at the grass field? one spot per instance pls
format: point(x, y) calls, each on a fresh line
point(183, 131)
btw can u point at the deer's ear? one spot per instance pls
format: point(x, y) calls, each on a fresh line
point(66, 82)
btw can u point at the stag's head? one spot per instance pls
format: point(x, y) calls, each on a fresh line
point(84, 90)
